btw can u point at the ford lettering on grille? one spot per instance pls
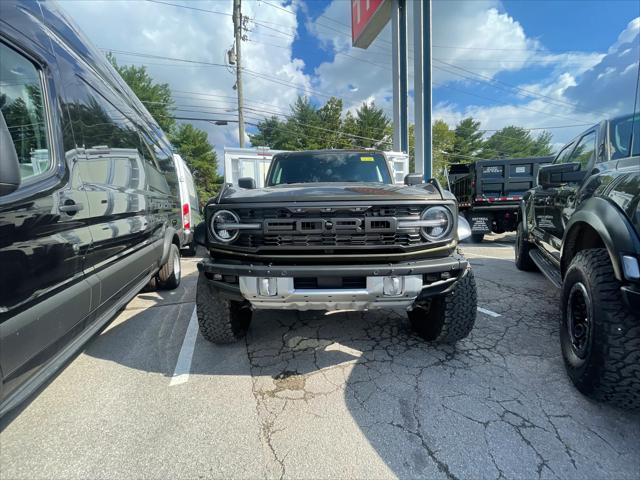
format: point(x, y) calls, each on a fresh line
point(331, 225)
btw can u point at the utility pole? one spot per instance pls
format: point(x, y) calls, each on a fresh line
point(237, 29)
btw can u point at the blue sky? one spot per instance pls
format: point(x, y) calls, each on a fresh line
point(528, 63)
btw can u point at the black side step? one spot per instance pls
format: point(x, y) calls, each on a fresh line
point(546, 267)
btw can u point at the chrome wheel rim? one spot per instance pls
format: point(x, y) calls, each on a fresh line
point(579, 322)
point(176, 266)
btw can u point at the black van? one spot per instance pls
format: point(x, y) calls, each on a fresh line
point(89, 209)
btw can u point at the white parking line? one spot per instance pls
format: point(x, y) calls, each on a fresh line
point(488, 312)
point(183, 365)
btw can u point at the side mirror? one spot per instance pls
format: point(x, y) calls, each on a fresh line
point(560, 174)
point(200, 234)
point(247, 182)
point(9, 166)
point(413, 179)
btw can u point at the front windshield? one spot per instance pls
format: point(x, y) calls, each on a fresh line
point(620, 134)
point(309, 167)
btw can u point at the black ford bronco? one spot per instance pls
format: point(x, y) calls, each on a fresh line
point(330, 231)
point(581, 228)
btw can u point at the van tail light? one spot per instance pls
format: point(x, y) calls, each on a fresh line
point(186, 217)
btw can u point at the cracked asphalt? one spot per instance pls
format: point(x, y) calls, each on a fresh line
point(316, 395)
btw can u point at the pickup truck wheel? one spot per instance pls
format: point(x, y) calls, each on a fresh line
point(171, 272)
point(477, 237)
point(522, 248)
point(221, 320)
point(599, 336)
point(451, 317)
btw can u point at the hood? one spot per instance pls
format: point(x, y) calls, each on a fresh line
point(317, 192)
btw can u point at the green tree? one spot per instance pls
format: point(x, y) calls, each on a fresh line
point(443, 142)
point(442, 138)
point(468, 140)
point(301, 129)
point(371, 123)
point(515, 142)
point(193, 146)
point(348, 132)
point(270, 133)
point(156, 97)
point(330, 117)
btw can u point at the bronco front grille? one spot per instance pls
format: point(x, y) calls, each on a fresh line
point(329, 228)
point(329, 240)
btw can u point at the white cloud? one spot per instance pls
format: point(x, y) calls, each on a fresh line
point(169, 31)
point(609, 86)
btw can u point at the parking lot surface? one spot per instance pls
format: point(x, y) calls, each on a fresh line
point(318, 395)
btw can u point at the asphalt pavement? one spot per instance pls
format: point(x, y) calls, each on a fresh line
point(317, 395)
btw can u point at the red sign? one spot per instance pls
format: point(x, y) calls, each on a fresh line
point(368, 18)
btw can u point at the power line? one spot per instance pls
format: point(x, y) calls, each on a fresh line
point(513, 87)
point(261, 75)
point(190, 7)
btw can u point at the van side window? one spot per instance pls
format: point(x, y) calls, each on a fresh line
point(22, 104)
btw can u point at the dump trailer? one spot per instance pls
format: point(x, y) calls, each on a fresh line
point(489, 191)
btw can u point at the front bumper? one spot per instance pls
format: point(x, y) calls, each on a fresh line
point(417, 279)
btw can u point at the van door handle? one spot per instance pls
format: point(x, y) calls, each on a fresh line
point(70, 207)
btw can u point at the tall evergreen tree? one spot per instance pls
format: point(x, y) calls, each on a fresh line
point(371, 123)
point(468, 141)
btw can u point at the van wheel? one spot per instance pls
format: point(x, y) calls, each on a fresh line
point(477, 237)
point(448, 318)
point(221, 320)
point(599, 336)
point(170, 273)
point(522, 248)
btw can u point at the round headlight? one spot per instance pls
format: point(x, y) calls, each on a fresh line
point(440, 223)
point(222, 226)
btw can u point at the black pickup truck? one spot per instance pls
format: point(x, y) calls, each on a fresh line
point(580, 226)
point(330, 231)
point(489, 191)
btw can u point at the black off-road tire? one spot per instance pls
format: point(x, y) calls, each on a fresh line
point(609, 368)
point(221, 320)
point(522, 248)
point(451, 317)
point(477, 237)
point(171, 272)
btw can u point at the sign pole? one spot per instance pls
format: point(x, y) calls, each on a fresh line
point(404, 79)
point(395, 73)
point(422, 88)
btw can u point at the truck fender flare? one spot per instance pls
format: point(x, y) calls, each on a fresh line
point(169, 235)
point(523, 218)
point(610, 224)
